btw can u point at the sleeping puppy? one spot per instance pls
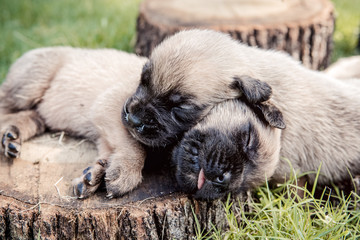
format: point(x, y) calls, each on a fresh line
point(81, 92)
point(233, 149)
point(186, 75)
point(239, 144)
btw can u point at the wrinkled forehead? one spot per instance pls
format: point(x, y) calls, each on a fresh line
point(227, 116)
point(201, 79)
point(168, 75)
point(196, 62)
point(161, 83)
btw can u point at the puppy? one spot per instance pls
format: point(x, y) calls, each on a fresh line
point(239, 144)
point(345, 68)
point(82, 92)
point(186, 75)
point(233, 149)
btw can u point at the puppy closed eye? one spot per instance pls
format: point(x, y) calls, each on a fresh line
point(181, 112)
point(178, 100)
point(149, 121)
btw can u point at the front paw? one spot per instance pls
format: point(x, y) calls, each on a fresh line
point(119, 182)
point(11, 142)
point(90, 180)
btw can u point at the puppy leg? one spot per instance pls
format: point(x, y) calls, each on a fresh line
point(121, 167)
point(92, 176)
point(122, 157)
point(27, 80)
point(16, 128)
point(90, 180)
point(29, 77)
point(124, 172)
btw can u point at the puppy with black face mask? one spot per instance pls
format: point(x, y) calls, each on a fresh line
point(239, 144)
point(232, 149)
point(81, 92)
point(183, 80)
point(85, 93)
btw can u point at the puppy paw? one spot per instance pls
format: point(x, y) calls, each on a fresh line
point(120, 182)
point(11, 142)
point(90, 180)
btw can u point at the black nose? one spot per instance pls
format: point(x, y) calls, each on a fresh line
point(134, 121)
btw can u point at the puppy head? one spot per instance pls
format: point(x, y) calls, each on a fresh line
point(186, 75)
point(233, 149)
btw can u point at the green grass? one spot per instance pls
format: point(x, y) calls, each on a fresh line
point(281, 214)
point(29, 24)
point(109, 23)
point(347, 27)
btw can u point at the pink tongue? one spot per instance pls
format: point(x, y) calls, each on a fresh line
point(201, 179)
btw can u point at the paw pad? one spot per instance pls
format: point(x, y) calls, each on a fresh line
point(87, 177)
point(11, 142)
point(89, 181)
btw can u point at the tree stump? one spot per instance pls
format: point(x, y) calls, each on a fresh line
point(303, 28)
point(36, 199)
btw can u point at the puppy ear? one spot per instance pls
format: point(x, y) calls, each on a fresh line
point(271, 114)
point(254, 90)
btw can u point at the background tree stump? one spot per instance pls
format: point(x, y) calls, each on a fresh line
point(36, 199)
point(303, 28)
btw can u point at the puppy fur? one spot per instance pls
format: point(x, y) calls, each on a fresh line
point(345, 68)
point(235, 148)
point(183, 80)
point(81, 92)
point(321, 115)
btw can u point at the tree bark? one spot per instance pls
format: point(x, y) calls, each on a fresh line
point(36, 200)
point(303, 28)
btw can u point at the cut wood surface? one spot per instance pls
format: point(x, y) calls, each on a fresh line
point(36, 199)
point(303, 28)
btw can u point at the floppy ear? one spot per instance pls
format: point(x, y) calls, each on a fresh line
point(254, 90)
point(271, 114)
